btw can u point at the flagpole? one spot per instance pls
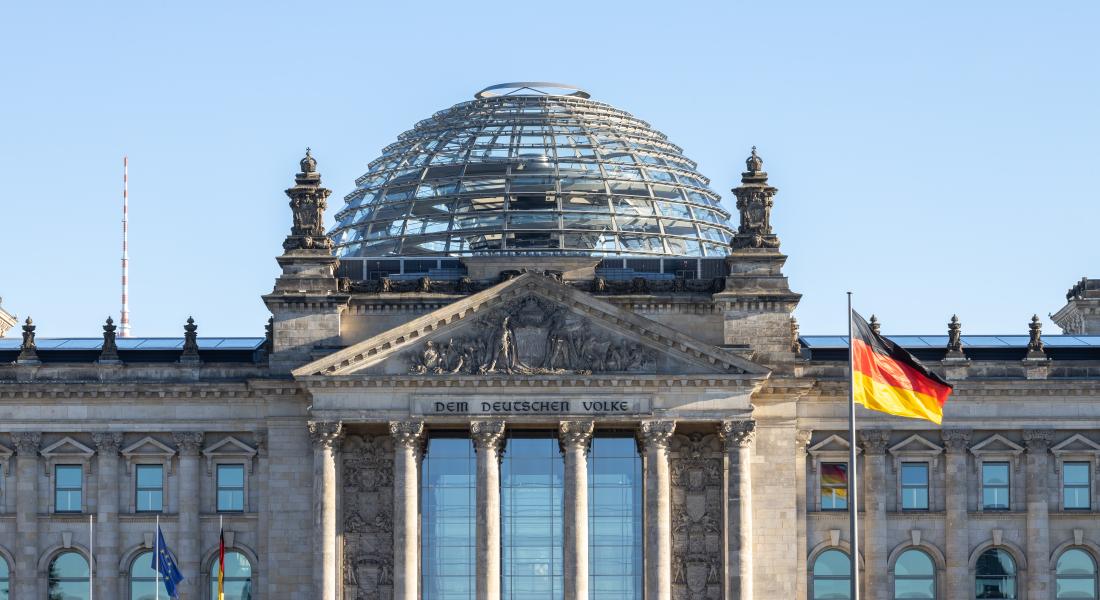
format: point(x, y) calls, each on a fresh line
point(853, 486)
point(156, 557)
point(91, 558)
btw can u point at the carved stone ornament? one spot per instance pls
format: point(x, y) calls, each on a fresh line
point(28, 351)
point(531, 336)
point(368, 517)
point(109, 353)
point(27, 443)
point(802, 440)
point(188, 442)
point(487, 435)
point(697, 490)
point(738, 433)
point(1038, 440)
point(876, 325)
point(308, 201)
point(1035, 346)
point(796, 344)
point(656, 434)
point(956, 440)
point(107, 443)
point(325, 434)
point(407, 434)
point(190, 342)
point(575, 434)
point(754, 203)
point(954, 336)
point(874, 441)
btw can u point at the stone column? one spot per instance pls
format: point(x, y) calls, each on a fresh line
point(407, 439)
point(25, 546)
point(873, 497)
point(488, 437)
point(106, 531)
point(655, 436)
point(801, 442)
point(575, 437)
point(1038, 526)
point(957, 549)
point(738, 436)
point(325, 436)
point(189, 443)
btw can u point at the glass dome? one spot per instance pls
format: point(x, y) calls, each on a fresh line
point(532, 168)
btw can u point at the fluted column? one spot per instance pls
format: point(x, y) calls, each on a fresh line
point(1038, 525)
point(575, 437)
point(107, 446)
point(25, 545)
point(875, 546)
point(957, 550)
point(801, 442)
point(189, 443)
point(488, 436)
point(407, 438)
point(325, 436)
point(655, 436)
point(738, 437)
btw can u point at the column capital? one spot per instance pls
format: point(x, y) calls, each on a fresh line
point(107, 442)
point(325, 434)
point(27, 442)
point(874, 441)
point(487, 434)
point(407, 434)
point(802, 440)
point(956, 440)
point(575, 434)
point(737, 433)
point(1038, 440)
point(656, 434)
point(188, 442)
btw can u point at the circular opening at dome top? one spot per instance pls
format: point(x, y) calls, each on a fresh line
point(532, 88)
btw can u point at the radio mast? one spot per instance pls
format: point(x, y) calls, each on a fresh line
point(124, 321)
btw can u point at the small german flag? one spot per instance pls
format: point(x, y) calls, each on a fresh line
point(886, 378)
point(221, 565)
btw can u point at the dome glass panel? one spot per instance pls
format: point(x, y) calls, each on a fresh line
point(532, 167)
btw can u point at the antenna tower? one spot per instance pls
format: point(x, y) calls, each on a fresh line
point(124, 322)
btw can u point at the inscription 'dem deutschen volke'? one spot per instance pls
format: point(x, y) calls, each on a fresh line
point(534, 407)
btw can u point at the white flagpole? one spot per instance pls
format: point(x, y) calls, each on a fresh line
point(156, 557)
point(853, 487)
point(91, 558)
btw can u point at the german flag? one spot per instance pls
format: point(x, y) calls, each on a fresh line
point(886, 378)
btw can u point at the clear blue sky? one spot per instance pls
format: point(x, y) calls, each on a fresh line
point(935, 157)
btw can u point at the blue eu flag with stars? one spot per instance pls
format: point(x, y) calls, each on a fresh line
point(165, 562)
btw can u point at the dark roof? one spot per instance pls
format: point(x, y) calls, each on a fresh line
point(211, 349)
point(976, 347)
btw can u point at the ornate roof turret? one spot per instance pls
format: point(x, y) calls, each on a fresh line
point(754, 202)
point(309, 164)
point(308, 201)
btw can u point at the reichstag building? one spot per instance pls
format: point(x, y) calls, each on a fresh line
point(537, 359)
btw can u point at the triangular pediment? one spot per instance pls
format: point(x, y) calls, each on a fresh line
point(67, 447)
point(1076, 444)
point(147, 446)
point(996, 444)
point(229, 446)
point(916, 444)
point(531, 325)
point(832, 444)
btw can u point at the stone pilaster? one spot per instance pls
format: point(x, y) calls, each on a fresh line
point(575, 437)
point(407, 439)
point(655, 436)
point(802, 442)
point(957, 546)
point(738, 436)
point(488, 437)
point(25, 546)
point(325, 436)
point(189, 443)
point(875, 546)
point(107, 546)
point(1038, 526)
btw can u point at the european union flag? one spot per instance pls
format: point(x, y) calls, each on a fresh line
point(165, 562)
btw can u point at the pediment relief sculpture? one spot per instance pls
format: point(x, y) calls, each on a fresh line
point(531, 336)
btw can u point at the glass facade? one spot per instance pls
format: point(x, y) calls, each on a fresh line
point(68, 484)
point(1075, 576)
point(237, 583)
point(615, 519)
point(995, 575)
point(995, 486)
point(832, 576)
point(67, 578)
point(914, 576)
point(531, 493)
point(448, 492)
point(143, 579)
point(532, 170)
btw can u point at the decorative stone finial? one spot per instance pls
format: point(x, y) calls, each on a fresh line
point(796, 344)
point(754, 203)
point(28, 351)
point(190, 342)
point(875, 325)
point(954, 338)
point(1035, 347)
point(308, 201)
point(109, 353)
point(269, 335)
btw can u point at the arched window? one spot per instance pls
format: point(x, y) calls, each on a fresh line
point(5, 579)
point(914, 576)
point(68, 577)
point(143, 579)
point(238, 577)
point(1076, 576)
point(832, 578)
point(995, 575)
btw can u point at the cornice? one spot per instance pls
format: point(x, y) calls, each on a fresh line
point(733, 381)
point(66, 390)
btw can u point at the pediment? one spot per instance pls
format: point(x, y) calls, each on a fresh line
point(831, 444)
point(531, 325)
point(916, 444)
point(147, 446)
point(1076, 444)
point(996, 444)
point(67, 447)
point(228, 447)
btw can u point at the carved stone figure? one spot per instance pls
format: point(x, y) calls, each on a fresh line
point(697, 541)
point(368, 520)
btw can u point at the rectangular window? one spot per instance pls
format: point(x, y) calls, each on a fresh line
point(68, 483)
point(995, 486)
point(834, 486)
point(230, 488)
point(914, 486)
point(149, 483)
point(1075, 486)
